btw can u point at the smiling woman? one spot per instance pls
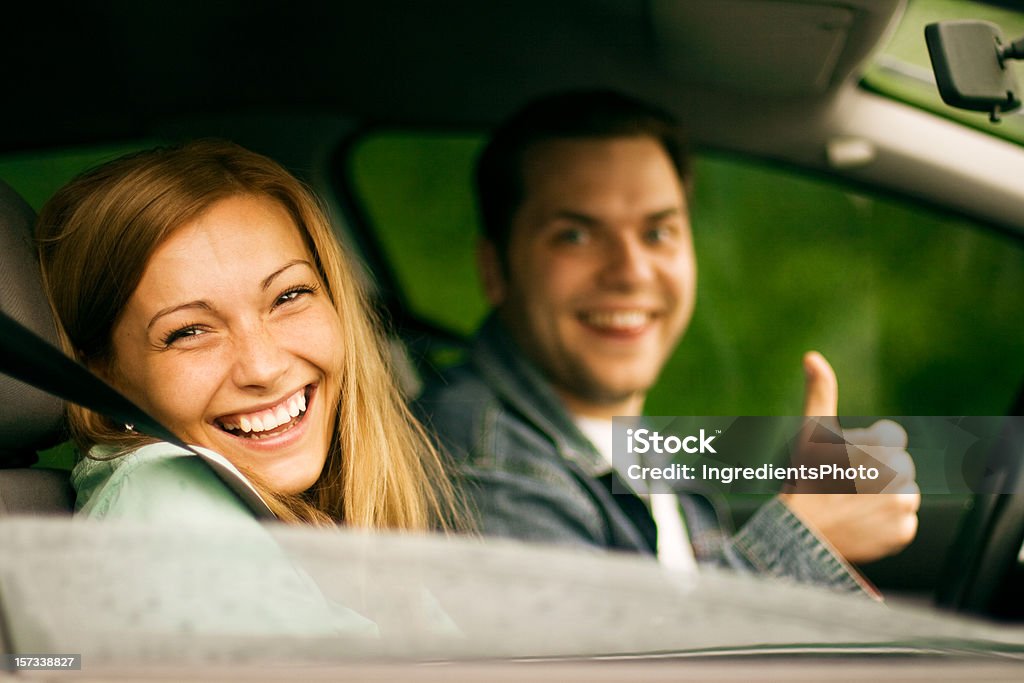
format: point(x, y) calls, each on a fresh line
point(230, 339)
point(205, 284)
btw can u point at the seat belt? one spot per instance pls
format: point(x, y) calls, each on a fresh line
point(28, 357)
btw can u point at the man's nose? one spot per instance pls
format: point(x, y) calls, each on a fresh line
point(260, 361)
point(627, 262)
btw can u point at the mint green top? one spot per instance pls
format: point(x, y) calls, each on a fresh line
point(239, 581)
point(156, 482)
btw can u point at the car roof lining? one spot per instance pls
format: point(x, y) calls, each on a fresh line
point(396, 61)
point(447, 63)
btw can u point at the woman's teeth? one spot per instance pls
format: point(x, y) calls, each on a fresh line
point(271, 418)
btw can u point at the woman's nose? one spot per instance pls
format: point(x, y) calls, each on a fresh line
point(260, 360)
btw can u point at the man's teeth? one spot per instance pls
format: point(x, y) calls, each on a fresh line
point(621, 320)
point(271, 418)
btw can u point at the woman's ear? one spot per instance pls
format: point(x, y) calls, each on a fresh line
point(492, 272)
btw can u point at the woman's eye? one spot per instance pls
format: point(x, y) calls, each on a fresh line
point(187, 332)
point(295, 293)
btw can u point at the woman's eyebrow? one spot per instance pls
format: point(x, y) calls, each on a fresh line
point(202, 305)
point(269, 280)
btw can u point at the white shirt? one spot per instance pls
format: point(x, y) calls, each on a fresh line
point(674, 549)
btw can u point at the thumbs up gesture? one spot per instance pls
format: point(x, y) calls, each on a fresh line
point(881, 518)
point(821, 389)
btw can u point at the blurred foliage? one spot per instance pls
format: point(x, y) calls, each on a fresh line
point(417, 191)
point(37, 175)
point(60, 457)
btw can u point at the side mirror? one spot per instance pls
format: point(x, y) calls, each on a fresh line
point(970, 61)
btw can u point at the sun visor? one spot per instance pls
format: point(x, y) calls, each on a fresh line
point(767, 48)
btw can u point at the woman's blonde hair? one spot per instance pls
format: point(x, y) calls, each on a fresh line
point(96, 236)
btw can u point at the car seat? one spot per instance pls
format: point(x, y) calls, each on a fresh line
point(29, 419)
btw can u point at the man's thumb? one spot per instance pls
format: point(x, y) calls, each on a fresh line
point(821, 390)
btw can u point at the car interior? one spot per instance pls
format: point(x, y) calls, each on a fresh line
point(781, 97)
point(31, 419)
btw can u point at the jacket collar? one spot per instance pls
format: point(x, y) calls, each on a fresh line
point(522, 386)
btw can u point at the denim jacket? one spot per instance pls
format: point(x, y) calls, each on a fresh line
point(531, 474)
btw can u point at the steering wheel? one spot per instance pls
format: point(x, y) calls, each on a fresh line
point(984, 573)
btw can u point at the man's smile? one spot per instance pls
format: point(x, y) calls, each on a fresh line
point(624, 322)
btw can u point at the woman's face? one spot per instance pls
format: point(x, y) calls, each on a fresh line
point(231, 341)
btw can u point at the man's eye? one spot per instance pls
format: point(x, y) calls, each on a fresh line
point(660, 234)
point(295, 293)
point(572, 236)
point(186, 332)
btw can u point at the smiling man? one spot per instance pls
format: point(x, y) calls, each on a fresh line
point(604, 272)
point(589, 264)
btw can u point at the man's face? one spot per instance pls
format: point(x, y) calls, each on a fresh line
point(601, 275)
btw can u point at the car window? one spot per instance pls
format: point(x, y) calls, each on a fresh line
point(37, 174)
point(918, 310)
point(417, 193)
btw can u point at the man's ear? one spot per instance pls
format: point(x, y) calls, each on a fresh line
point(492, 272)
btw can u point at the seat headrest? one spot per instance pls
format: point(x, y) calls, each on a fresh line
point(29, 418)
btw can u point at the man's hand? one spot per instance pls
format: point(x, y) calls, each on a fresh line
point(861, 526)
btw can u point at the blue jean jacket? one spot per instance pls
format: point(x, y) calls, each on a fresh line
point(531, 474)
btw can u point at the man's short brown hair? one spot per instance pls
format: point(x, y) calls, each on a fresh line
point(570, 115)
